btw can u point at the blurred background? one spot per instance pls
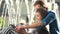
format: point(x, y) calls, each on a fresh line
point(22, 11)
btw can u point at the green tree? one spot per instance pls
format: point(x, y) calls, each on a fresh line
point(2, 22)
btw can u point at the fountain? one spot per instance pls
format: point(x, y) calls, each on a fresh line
point(12, 11)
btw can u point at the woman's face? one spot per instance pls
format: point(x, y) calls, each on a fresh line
point(38, 16)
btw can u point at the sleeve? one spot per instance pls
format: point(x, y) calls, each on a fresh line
point(49, 18)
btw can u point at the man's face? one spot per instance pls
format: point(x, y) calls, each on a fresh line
point(37, 6)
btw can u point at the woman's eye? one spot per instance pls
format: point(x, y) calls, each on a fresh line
point(37, 15)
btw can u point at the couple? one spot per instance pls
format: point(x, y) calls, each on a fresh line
point(43, 18)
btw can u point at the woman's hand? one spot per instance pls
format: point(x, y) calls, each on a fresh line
point(19, 28)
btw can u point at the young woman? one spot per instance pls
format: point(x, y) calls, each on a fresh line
point(40, 15)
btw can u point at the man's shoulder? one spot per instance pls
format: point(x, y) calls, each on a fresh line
point(51, 12)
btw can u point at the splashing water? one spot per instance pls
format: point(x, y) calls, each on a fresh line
point(13, 13)
point(13, 9)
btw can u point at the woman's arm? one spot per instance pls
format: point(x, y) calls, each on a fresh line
point(33, 25)
point(20, 28)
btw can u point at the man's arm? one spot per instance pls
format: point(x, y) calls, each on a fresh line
point(48, 19)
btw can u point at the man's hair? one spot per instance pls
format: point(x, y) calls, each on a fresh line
point(39, 2)
point(42, 12)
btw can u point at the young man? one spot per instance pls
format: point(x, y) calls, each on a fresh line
point(50, 19)
point(39, 4)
